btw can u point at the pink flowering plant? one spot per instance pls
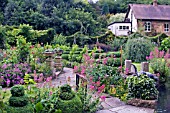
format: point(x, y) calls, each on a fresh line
point(160, 63)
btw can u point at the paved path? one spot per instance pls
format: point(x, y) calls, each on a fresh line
point(111, 104)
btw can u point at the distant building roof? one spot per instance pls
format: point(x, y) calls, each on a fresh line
point(117, 23)
point(150, 12)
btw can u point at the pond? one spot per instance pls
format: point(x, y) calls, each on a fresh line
point(163, 105)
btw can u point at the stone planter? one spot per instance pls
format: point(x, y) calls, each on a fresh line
point(142, 103)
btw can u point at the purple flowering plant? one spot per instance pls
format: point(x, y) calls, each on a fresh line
point(12, 74)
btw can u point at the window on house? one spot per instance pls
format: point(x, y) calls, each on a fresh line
point(123, 27)
point(148, 26)
point(166, 27)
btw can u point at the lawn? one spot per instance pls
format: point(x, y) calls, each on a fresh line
point(138, 66)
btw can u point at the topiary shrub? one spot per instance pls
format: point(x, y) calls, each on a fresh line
point(68, 101)
point(137, 49)
point(142, 87)
point(25, 109)
point(19, 102)
point(17, 91)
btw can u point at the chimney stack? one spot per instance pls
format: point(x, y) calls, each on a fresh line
point(155, 3)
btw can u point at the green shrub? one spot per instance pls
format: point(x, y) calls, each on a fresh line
point(115, 54)
point(66, 52)
point(77, 52)
point(65, 88)
point(96, 55)
point(17, 91)
point(68, 101)
point(158, 38)
point(79, 49)
point(74, 57)
point(18, 101)
point(142, 87)
point(165, 44)
point(70, 106)
point(137, 49)
point(89, 51)
point(114, 62)
point(65, 56)
point(25, 109)
point(117, 43)
point(99, 51)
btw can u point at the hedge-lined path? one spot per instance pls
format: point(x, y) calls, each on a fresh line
point(111, 104)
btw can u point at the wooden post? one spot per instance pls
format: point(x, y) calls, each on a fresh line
point(77, 81)
point(121, 57)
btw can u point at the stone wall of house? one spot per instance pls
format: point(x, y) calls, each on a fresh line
point(156, 27)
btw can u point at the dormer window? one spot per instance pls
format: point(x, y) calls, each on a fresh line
point(147, 26)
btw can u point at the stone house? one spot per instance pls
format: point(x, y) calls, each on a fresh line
point(148, 19)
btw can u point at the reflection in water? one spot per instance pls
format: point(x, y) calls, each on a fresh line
point(163, 105)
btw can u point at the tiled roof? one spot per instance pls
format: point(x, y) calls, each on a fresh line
point(159, 12)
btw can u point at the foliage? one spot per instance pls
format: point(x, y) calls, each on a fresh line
point(23, 49)
point(142, 87)
point(105, 9)
point(28, 109)
point(118, 87)
point(13, 73)
point(89, 105)
point(157, 40)
point(66, 93)
point(65, 17)
point(119, 17)
point(117, 42)
point(18, 102)
point(165, 44)
point(68, 101)
point(17, 91)
point(74, 48)
point(28, 79)
point(3, 37)
point(159, 63)
point(2, 105)
point(137, 49)
point(11, 33)
point(59, 39)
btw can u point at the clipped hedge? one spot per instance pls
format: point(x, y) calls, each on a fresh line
point(77, 52)
point(66, 52)
point(115, 54)
point(96, 55)
point(114, 62)
point(65, 56)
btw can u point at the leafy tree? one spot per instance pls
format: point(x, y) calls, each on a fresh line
point(116, 17)
point(105, 9)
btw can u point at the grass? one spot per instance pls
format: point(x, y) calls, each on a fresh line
point(138, 65)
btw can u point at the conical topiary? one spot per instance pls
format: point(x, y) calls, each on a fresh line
point(19, 102)
point(68, 101)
